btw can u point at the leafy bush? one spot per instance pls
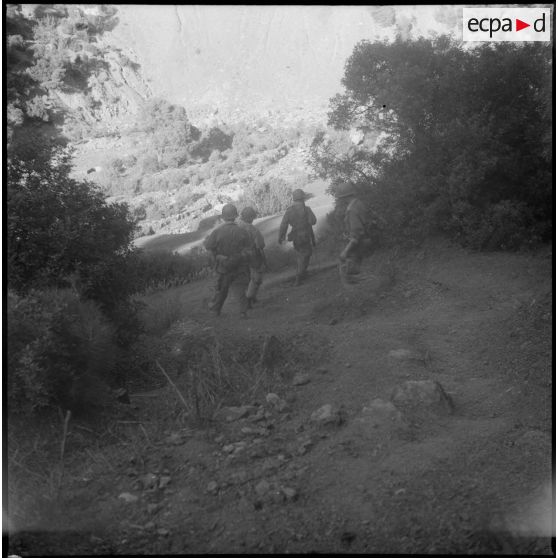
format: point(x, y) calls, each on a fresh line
point(61, 351)
point(465, 138)
point(159, 270)
point(268, 197)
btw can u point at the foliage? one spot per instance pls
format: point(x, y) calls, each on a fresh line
point(214, 142)
point(61, 351)
point(161, 269)
point(267, 197)
point(58, 226)
point(170, 131)
point(465, 138)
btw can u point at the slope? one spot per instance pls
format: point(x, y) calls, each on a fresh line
point(418, 476)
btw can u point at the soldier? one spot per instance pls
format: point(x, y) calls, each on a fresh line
point(301, 218)
point(355, 224)
point(230, 248)
point(258, 263)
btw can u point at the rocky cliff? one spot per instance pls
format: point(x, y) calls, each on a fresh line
point(225, 61)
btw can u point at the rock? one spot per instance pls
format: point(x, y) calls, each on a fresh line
point(262, 488)
point(304, 446)
point(128, 498)
point(230, 414)
point(163, 532)
point(322, 370)
point(424, 393)
point(326, 414)
point(175, 439)
point(164, 481)
point(401, 354)
point(247, 431)
point(212, 487)
point(379, 413)
point(290, 493)
point(153, 508)
point(301, 379)
point(148, 481)
point(149, 525)
point(272, 398)
point(333, 321)
point(276, 402)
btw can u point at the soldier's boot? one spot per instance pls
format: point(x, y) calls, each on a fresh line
point(346, 278)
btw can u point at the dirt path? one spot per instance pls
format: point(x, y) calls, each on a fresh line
point(394, 479)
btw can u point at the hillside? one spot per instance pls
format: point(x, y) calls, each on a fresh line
point(381, 470)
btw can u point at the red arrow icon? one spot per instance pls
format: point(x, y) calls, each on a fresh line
point(519, 25)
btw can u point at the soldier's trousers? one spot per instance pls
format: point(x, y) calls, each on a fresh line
point(237, 282)
point(303, 254)
point(353, 260)
point(256, 278)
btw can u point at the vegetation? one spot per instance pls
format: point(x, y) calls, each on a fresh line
point(466, 141)
point(69, 251)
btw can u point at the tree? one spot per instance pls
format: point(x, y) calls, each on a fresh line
point(466, 137)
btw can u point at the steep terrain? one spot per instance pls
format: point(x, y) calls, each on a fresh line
point(388, 467)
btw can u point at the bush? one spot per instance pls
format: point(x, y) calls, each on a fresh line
point(268, 197)
point(466, 138)
point(61, 351)
point(160, 270)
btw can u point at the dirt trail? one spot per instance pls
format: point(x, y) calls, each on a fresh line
point(419, 481)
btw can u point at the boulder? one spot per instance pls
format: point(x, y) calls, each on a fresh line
point(326, 415)
point(301, 379)
point(423, 393)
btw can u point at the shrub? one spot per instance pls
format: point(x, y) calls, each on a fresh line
point(268, 197)
point(60, 351)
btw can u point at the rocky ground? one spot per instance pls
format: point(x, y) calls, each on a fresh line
point(410, 413)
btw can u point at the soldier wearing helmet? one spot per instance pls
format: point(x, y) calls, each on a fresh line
point(301, 219)
point(230, 248)
point(257, 262)
point(355, 224)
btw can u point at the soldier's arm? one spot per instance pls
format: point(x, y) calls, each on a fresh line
point(283, 227)
point(356, 226)
point(311, 217)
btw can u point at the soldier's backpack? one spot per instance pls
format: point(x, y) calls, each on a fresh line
point(301, 228)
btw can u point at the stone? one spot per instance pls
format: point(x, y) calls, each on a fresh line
point(212, 487)
point(163, 532)
point(276, 402)
point(149, 525)
point(153, 508)
point(423, 393)
point(290, 493)
point(272, 398)
point(231, 414)
point(301, 379)
point(262, 488)
point(164, 481)
point(149, 481)
point(401, 354)
point(128, 498)
point(380, 413)
point(174, 439)
point(322, 370)
point(326, 414)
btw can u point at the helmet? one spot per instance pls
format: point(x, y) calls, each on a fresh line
point(299, 195)
point(344, 190)
point(248, 214)
point(229, 212)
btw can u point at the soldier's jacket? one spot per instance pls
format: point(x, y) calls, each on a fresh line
point(301, 218)
point(356, 220)
point(231, 241)
point(257, 256)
